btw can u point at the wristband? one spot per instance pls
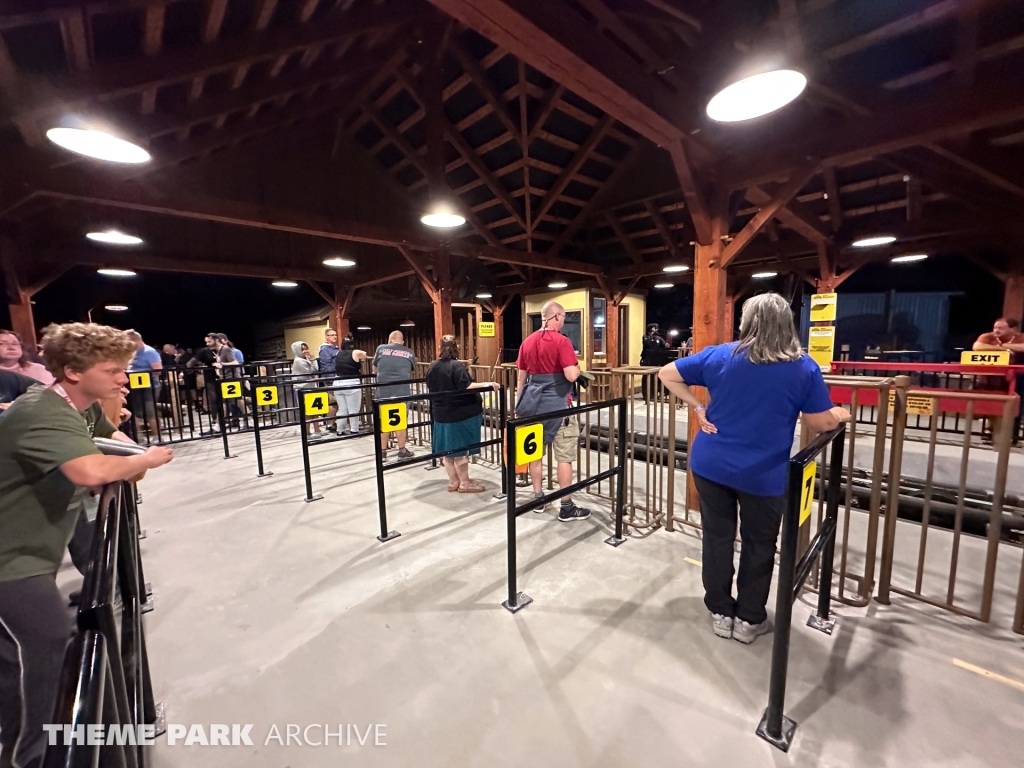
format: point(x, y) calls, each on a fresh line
point(699, 408)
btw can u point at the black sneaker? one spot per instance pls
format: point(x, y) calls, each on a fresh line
point(404, 453)
point(572, 514)
point(332, 428)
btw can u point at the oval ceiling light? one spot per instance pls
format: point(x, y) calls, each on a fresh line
point(338, 261)
point(908, 257)
point(363, 328)
point(558, 285)
point(442, 216)
point(673, 333)
point(98, 144)
point(485, 296)
point(284, 284)
point(113, 237)
point(116, 272)
point(662, 286)
point(760, 275)
point(116, 308)
point(407, 324)
point(756, 95)
point(675, 268)
point(874, 240)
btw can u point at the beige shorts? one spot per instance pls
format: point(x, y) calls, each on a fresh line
point(564, 446)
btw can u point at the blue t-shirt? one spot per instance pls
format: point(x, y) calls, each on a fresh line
point(238, 355)
point(144, 359)
point(755, 408)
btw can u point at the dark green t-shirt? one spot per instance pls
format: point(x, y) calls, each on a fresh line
point(39, 432)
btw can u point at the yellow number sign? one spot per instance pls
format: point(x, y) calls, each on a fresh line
point(529, 443)
point(139, 380)
point(393, 417)
point(990, 357)
point(229, 390)
point(807, 491)
point(315, 403)
point(821, 342)
point(486, 330)
point(266, 395)
point(823, 307)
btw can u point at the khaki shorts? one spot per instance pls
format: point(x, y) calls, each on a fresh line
point(564, 446)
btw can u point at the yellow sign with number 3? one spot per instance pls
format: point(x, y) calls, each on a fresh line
point(807, 491)
point(315, 403)
point(266, 395)
point(139, 380)
point(529, 443)
point(393, 417)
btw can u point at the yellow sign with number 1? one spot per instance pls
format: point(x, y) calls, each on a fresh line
point(393, 417)
point(807, 491)
point(529, 443)
point(139, 380)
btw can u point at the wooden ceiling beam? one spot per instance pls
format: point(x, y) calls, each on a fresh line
point(479, 77)
point(624, 238)
point(541, 260)
point(991, 177)
point(932, 71)
point(793, 215)
point(570, 171)
point(74, 32)
point(662, 228)
point(933, 14)
point(835, 206)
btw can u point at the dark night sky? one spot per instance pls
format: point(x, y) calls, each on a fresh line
point(180, 308)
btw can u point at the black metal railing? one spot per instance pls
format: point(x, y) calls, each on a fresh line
point(775, 727)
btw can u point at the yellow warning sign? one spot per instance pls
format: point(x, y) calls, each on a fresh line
point(315, 403)
point(917, 405)
point(988, 357)
point(139, 380)
point(266, 395)
point(807, 491)
point(393, 417)
point(485, 330)
point(823, 307)
point(821, 343)
point(230, 390)
point(529, 443)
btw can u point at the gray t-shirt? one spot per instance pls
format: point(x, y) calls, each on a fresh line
point(394, 362)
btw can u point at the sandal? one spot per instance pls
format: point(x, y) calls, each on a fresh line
point(472, 487)
point(453, 487)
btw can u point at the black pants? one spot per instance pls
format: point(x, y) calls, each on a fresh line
point(35, 628)
point(760, 518)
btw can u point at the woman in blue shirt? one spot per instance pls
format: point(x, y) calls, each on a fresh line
point(759, 386)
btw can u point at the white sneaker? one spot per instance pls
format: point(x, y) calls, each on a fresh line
point(721, 625)
point(748, 633)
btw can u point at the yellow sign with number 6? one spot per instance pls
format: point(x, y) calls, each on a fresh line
point(315, 403)
point(529, 443)
point(394, 417)
point(139, 380)
point(807, 491)
point(266, 395)
point(230, 390)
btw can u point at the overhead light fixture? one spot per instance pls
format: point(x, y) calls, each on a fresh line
point(558, 285)
point(673, 333)
point(484, 296)
point(908, 257)
point(673, 269)
point(284, 284)
point(442, 215)
point(662, 286)
point(338, 261)
point(756, 95)
point(116, 308)
point(363, 328)
point(116, 272)
point(98, 144)
point(873, 241)
point(113, 237)
point(407, 324)
point(760, 275)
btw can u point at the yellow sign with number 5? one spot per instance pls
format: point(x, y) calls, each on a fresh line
point(315, 403)
point(393, 417)
point(807, 491)
point(529, 443)
point(266, 395)
point(139, 380)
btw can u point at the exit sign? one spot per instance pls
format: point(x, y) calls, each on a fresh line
point(986, 357)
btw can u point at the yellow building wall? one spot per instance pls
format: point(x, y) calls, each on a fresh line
point(637, 326)
point(311, 334)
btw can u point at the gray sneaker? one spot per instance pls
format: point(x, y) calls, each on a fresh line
point(404, 453)
point(748, 633)
point(721, 625)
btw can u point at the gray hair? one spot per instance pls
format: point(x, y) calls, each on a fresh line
point(767, 333)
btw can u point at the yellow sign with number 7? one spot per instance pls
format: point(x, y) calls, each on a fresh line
point(807, 491)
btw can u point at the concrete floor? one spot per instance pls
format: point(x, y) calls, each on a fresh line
point(271, 611)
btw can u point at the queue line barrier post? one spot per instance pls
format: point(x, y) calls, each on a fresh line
point(260, 471)
point(223, 422)
point(775, 727)
point(304, 438)
point(518, 600)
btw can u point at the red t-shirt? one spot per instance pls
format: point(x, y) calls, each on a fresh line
point(1016, 358)
point(546, 352)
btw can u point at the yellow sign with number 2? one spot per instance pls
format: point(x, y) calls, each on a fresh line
point(807, 491)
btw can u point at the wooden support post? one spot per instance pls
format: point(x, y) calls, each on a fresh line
point(19, 297)
point(729, 321)
point(443, 298)
point(1013, 296)
point(341, 309)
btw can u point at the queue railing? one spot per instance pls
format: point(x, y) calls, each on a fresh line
point(775, 727)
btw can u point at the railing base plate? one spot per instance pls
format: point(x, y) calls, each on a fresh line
point(391, 535)
point(822, 625)
point(500, 495)
point(160, 723)
point(149, 605)
point(142, 533)
point(784, 741)
point(522, 600)
point(314, 498)
point(265, 474)
point(614, 541)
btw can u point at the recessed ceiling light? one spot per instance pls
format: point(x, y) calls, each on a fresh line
point(484, 296)
point(871, 242)
point(116, 272)
point(98, 144)
point(407, 324)
point(908, 257)
point(661, 286)
point(558, 285)
point(764, 274)
point(284, 284)
point(675, 268)
point(363, 328)
point(113, 237)
point(338, 261)
point(116, 308)
point(756, 95)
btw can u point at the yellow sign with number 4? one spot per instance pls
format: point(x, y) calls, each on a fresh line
point(529, 443)
point(393, 417)
point(139, 380)
point(266, 395)
point(807, 491)
point(315, 403)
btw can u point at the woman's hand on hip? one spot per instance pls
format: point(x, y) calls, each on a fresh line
point(705, 425)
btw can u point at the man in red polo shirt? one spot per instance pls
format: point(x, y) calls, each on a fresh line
point(547, 368)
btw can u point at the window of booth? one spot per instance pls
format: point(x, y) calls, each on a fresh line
point(598, 306)
point(571, 329)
